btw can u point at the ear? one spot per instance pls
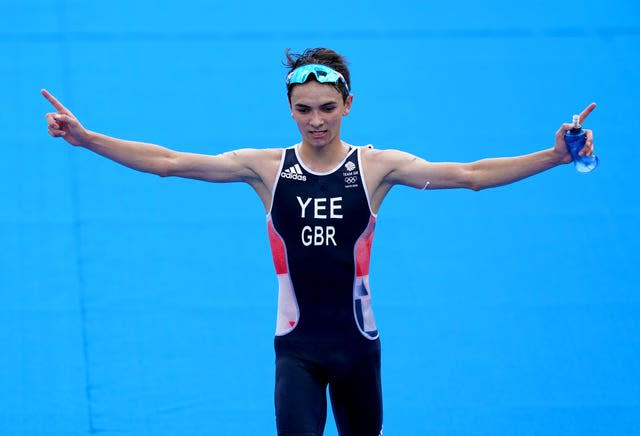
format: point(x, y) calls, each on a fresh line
point(347, 105)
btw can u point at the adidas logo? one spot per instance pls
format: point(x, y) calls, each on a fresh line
point(295, 173)
point(350, 166)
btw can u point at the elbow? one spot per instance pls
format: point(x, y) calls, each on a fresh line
point(476, 183)
point(485, 183)
point(166, 166)
point(475, 186)
point(472, 179)
point(162, 170)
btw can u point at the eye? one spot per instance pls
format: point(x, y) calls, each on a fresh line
point(303, 110)
point(328, 108)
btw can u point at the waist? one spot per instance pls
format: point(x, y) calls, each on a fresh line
point(300, 343)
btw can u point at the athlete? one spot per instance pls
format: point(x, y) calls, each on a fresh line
point(321, 197)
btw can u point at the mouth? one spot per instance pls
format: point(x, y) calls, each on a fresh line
point(318, 133)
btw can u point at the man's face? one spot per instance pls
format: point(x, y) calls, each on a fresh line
point(317, 109)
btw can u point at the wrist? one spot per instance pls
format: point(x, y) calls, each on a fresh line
point(558, 157)
point(90, 139)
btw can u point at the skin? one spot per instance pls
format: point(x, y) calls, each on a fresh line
point(318, 110)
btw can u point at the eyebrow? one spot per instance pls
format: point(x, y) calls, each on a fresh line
point(329, 103)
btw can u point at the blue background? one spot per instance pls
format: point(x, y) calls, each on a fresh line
point(131, 304)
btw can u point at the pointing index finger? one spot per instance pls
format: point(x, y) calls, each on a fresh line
point(585, 113)
point(54, 102)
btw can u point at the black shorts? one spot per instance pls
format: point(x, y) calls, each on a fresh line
point(352, 372)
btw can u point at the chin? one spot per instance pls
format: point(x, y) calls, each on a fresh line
point(320, 142)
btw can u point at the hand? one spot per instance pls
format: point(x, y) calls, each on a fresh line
point(63, 123)
point(561, 147)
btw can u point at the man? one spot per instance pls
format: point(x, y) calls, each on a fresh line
point(321, 197)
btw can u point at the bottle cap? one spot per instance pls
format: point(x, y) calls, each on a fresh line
point(576, 122)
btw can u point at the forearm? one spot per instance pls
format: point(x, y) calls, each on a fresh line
point(139, 156)
point(488, 173)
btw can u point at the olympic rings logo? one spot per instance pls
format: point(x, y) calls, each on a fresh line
point(350, 180)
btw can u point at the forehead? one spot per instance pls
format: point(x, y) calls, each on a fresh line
point(314, 92)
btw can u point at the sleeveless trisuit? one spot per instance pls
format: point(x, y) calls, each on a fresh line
point(320, 229)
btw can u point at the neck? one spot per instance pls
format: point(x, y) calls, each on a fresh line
point(323, 158)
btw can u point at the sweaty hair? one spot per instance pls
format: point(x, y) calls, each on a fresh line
point(322, 56)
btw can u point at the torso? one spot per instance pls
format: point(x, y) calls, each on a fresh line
point(321, 228)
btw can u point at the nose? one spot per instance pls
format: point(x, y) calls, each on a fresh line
point(315, 121)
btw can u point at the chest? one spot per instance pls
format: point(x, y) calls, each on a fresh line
point(320, 209)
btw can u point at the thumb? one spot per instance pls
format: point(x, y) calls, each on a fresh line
point(564, 128)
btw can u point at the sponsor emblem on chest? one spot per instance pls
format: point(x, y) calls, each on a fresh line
point(351, 175)
point(294, 173)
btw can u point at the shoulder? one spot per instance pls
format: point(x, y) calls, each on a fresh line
point(256, 159)
point(256, 154)
point(372, 153)
point(389, 159)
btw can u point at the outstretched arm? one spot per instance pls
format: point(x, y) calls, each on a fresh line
point(409, 170)
point(235, 166)
point(386, 168)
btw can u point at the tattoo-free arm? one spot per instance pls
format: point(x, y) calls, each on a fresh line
point(486, 173)
point(409, 170)
point(150, 158)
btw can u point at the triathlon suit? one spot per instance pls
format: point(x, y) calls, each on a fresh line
point(320, 229)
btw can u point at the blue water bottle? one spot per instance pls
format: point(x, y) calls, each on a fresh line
point(575, 139)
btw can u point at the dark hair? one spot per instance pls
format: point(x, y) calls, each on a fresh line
point(322, 56)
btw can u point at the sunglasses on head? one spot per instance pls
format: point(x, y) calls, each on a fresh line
point(323, 74)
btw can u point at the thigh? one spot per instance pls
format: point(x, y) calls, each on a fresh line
point(300, 398)
point(356, 398)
